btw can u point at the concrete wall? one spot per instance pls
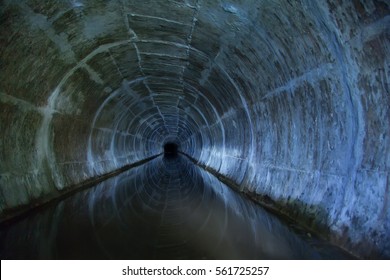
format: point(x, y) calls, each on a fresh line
point(288, 99)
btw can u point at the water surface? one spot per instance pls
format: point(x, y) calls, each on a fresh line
point(168, 208)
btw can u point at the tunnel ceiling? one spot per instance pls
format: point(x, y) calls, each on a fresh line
point(287, 99)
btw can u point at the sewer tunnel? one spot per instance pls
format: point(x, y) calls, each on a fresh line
point(283, 103)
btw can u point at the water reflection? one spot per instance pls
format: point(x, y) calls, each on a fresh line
point(167, 208)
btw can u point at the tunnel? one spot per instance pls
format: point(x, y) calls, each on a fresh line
point(170, 149)
point(197, 112)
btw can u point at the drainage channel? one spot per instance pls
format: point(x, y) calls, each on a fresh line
point(166, 208)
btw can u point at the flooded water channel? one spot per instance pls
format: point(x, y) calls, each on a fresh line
point(168, 208)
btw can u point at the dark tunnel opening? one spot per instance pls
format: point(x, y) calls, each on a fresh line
point(171, 149)
point(284, 102)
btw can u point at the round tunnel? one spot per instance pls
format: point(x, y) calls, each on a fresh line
point(287, 100)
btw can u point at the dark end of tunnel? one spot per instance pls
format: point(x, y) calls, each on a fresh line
point(170, 150)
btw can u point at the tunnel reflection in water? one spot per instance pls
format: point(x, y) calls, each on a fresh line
point(168, 208)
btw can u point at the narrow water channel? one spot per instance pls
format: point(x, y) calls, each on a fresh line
point(168, 208)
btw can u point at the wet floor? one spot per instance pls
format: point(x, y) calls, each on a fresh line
point(168, 208)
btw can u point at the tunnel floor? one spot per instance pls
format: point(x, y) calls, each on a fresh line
point(168, 208)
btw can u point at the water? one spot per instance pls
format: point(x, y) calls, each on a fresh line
point(168, 208)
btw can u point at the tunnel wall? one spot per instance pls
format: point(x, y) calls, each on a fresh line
point(317, 124)
point(287, 99)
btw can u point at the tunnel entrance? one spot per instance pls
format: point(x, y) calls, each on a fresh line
point(170, 149)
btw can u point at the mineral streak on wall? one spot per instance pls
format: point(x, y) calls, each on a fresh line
point(289, 100)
